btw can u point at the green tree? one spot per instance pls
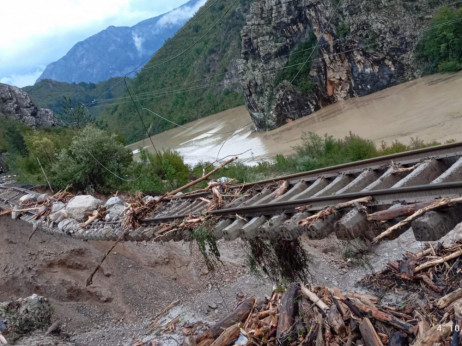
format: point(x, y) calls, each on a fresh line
point(15, 140)
point(440, 48)
point(73, 115)
point(94, 159)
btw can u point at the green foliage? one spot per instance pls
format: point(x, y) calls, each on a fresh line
point(185, 84)
point(317, 152)
point(74, 115)
point(159, 173)
point(94, 159)
point(13, 138)
point(205, 239)
point(50, 94)
point(299, 65)
point(440, 48)
point(342, 30)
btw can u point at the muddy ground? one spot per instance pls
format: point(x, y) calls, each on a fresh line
point(139, 280)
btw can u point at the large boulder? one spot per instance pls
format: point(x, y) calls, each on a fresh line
point(80, 205)
point(16, 104)
point(114, 208)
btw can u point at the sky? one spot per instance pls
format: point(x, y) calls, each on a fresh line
point(36, 33)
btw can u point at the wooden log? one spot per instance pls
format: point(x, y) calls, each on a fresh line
point(266, 313)
point(197, 181)
point(365, 298)
point(434, 335)
point(287, 312)
point(336, 321)
point(423, 328)
point(229, 335)
point(353, 202)
point(393, 213)
point(282, 189)
point(458, 311)
point(238, 315)
point(205, 342)
point(6, 212)
point(383, 316)
point(437, 204)
point(438, 261)
point(369, 334)
point(430, 283)
point(449, 298)
point(314, 298)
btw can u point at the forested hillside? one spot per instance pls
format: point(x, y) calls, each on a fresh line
point(193, 75)
point(50, 94)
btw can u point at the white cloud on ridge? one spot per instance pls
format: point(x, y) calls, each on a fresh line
point(22, 80)
point(180, 14)
point(138, 41)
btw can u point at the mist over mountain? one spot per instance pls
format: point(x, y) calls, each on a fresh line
point(117, 51)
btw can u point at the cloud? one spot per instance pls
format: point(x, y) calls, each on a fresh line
point(22, 80)
point(40, 32)
point(180, 14)
point(138, 41)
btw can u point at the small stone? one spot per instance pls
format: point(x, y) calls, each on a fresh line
point(213, 306)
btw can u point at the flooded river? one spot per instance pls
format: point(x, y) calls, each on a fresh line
point(429, 108)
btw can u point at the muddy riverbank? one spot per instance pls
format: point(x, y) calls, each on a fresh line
point(429, 108)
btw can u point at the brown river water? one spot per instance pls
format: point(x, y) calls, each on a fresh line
point(429, 108)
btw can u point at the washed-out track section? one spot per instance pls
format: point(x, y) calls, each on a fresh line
point(257, 211)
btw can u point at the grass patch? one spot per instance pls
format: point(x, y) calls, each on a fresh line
point(207, 243)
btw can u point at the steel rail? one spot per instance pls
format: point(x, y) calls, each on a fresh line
point(410, 194)
point(403, 158)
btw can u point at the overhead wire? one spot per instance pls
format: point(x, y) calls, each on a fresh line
point(201, 86)
point(201, 12)
point(191, 46)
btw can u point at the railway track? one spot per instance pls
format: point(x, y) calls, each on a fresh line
point(261, 210)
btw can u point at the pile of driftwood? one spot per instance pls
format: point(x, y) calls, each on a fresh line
point(436, 270)
point(316, 315)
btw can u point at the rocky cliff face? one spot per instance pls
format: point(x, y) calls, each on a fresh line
point(16, 104)
point(118, 51)
point(362, 47)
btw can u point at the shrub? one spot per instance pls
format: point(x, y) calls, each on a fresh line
point(299, 65)
point(95, 159)
point(440, 48)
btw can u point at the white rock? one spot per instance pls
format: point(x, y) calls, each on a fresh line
point(31, 197)
point(115, 211)
point(79, 205)
point(42, 198)
point(68, 225)
point(57, 206)
point(114, 201)
point(148, 199)
point(63, 224)
point(58, 216)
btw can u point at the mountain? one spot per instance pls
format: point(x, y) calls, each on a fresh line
point(48, 93)
point(284, 58)
point(117, 51)
point(193, 75)
point(16, 104)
